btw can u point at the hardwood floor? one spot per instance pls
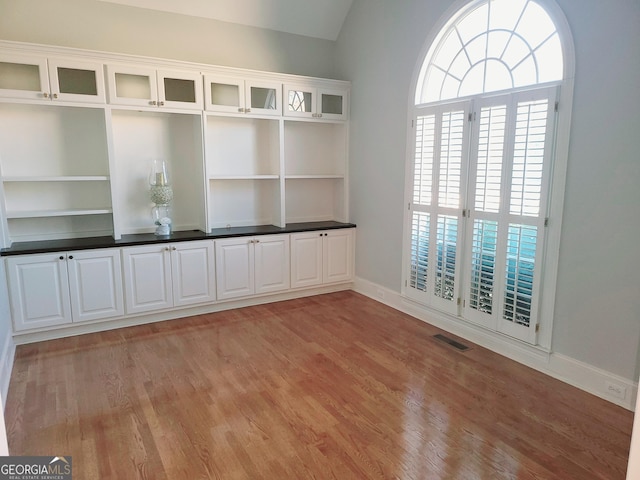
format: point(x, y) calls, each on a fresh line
point(330, 387)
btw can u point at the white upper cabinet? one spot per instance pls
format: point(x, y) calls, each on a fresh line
point(313, 102)
point(236, 95)
point(147, 86)
point(57, 79)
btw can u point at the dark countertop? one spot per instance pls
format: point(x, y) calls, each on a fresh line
point(90, 243)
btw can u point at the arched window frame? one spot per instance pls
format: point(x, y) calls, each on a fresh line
point(559, 162)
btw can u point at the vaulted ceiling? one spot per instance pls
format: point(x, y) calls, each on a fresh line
point(312, 18)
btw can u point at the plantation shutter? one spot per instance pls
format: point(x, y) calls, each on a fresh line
point(439, 179)
point(496, 169)
point(510, 160)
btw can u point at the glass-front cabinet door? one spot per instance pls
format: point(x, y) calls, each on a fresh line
point(299, 101)
point(142, 86)
point(263, 98)
point(179, 89)
point(332, 104)
point(223, 94)
point(312, 102)
point(39, 78)
point(76, 81)
point(24, 77)
point(130, 85)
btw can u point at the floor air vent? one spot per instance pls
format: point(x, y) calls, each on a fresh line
point(449, 341)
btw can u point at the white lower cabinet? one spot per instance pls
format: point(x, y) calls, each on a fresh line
point(252, 265)
point(60, 288)
point(166, 275)
point(323, 257)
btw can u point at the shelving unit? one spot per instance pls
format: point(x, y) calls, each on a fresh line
point(138, 138)
point(243, 171)
point(76, 150)
point(55, 167)
point(315, 156)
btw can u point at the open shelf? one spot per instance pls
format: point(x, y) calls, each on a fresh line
point(314, 149)
point(315, 200)
point(139, 137)
point(239, 147)
point(244, 202)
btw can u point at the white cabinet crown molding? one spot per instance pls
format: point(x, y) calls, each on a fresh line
point(22, 48)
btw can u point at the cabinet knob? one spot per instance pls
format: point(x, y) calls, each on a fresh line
point(153, 102)
point(247, 110)
point(55, 95)
point(241, 110)
point(166, 249)
point(161, 104)
point(173, 248)
point(70, 257)
point(45, 95)
point(61, 257)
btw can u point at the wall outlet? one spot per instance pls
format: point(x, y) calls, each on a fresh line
point(615, 390)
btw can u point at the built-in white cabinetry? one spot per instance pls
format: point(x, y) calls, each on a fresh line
point(162, 276)
point(57, 79)
point(54, 172)
point(252, 265)
point(150, 87)
point(242, 96)
point(306, 100)
point(60, 288)
point(322, 257)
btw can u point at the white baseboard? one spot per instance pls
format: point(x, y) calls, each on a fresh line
point(603, 384)
point(7, 354)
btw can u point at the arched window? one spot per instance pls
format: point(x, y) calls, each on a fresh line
point(484, 130)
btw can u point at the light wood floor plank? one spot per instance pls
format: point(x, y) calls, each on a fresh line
point(330, 387)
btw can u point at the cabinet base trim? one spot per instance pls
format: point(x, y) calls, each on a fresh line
point(172, 314)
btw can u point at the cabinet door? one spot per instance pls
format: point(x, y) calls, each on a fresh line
point(130, 85)
point(193, 273)
point(263, 98)
point(234, 268)
point(223, 94)
point(306, 259)
point(338, 256)
point(75, 81)
point(299, 101)
point(179, 89)
point(38, 291)
point(272, 270)
point(147, 278)
point(24, 77)
point(332, 104)
point(95, 284)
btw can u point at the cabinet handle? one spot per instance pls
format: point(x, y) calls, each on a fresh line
point(61, 257)
point(173, 248)
point(55, 95)
point(70, 257)
point(161, 104)
point(45, 95)
point(166, 249)
point(153, 102)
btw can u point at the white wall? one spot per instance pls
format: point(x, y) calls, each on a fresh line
point(598, 298)
point(116, 28)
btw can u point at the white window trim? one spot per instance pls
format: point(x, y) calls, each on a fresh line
point(559, 168)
